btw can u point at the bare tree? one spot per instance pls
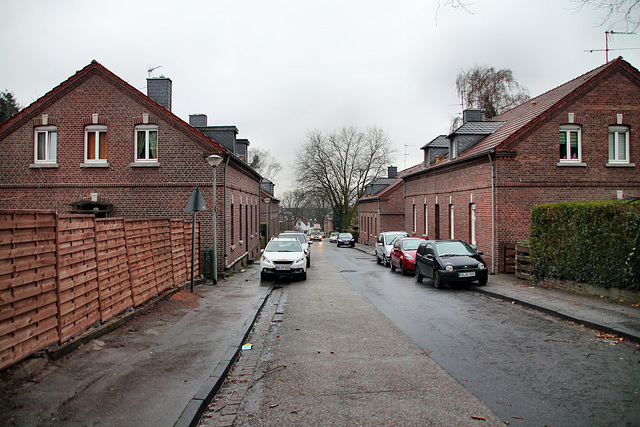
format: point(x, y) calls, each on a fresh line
point(295, 201)
point(265, 164)
point(491, 91)
point(336, 167)
point(621, 14)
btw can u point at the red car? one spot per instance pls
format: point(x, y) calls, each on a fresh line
point(403, 254)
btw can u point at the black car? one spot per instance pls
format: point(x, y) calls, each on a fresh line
point(450, 261)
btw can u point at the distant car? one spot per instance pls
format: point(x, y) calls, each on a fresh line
point(302, 238)
point(384, 244)
point(316, 235)
point(403, 254)
point(283, 257)
point(346, 239)
point(450, 261)
point(333, 237)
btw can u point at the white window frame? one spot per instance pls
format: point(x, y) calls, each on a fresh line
point(567, 130)
point(451, 221)
point(472, 219)
point(96, 129)
point(50, 144)
point(616, 131)
point(147, 129)
point(426, 220)
point(415, 219)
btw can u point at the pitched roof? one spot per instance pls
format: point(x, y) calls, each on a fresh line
point(440, 141)
point(93, 69)
point(478, 128)
point(523, 118)
point(394, 182)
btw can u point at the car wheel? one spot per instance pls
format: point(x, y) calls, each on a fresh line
point(353, 245)
point(378, 260)
point(309, 261)
point(419, 276)
point(482, 282)
point(393, 267)
point(402, 270)
point(263, 275)
point(303, 276)
point(385, 261)
point(437, 281)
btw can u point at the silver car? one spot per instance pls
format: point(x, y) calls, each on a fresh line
point(384, 245)
point(304, 242)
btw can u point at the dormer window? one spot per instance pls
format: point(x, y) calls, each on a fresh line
point(453, 151)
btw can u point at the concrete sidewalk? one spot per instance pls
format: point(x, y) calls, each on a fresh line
point(597, 313)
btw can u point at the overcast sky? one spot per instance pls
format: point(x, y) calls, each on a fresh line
point(277, 69)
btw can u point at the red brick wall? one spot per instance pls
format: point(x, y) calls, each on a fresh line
point(390, 217)
point(134, 192)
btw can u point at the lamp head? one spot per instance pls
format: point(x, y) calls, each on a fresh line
point(214, 160)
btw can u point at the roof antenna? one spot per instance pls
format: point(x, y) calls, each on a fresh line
point(150, 70)
point(606, 44)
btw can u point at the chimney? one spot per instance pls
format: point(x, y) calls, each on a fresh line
point(392, 171)
point(472, 116)
point(242, 149)
point(198, 120)
point(159, 90)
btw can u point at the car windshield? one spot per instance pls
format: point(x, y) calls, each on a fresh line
point(283, 246)
point(301, 238)
point(392, 237)
point(345, 236)
point(411, 244)
point(453, 249)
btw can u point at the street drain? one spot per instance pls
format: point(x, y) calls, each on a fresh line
point(348, 271)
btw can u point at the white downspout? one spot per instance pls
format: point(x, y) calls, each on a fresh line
point(493, 216)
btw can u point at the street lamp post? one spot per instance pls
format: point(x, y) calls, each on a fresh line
point(267, 201)
point(214, 160)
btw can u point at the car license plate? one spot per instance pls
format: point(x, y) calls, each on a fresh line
point(282, 267)
point(469, 274)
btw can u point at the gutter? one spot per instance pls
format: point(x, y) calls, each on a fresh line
point(451, 162)
point(493, 212)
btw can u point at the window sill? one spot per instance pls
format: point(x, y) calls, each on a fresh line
point(94, 165)
point(572, 164)
point(620, 165)
point(145, 165)
point(43, 166)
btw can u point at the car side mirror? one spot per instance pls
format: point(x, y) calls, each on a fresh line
point(261, 251)
point(480, 253)
point(429, 256)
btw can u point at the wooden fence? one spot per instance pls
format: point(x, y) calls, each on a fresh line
point(524, 267)
point(61, 274)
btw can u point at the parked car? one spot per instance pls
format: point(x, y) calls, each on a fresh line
point(346, 239)
point(450, 261)
point(283, 257)
point(384, 244)
point(333, 237)
point(403, 254)
point(302, 238)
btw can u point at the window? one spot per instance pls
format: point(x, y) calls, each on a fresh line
point(95, 144)
point(426, 220)
point(46, 144)
point(451, 221)
point(472, 220)
point(147, 143)
point(618, 144)
point(570, 144)
point(415, 219)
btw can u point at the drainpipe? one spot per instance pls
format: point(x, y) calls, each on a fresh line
point(493, 214)
point(224, 210)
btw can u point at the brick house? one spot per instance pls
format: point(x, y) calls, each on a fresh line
point(95, 144)
point(382, 207)
point(578, 141)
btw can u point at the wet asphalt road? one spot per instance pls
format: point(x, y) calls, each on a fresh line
point(529, 368)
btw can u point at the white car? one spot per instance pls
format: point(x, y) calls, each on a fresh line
point(283, 257)
point(384, 245)
point(304, 242)
point(333, 237)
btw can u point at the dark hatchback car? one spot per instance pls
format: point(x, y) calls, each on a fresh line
point(450, 261)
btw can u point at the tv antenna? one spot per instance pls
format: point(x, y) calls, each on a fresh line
point(606, 44)
point(405, 154)
point(152, 69)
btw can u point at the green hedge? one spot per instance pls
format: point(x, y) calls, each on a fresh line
point(593, 242)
